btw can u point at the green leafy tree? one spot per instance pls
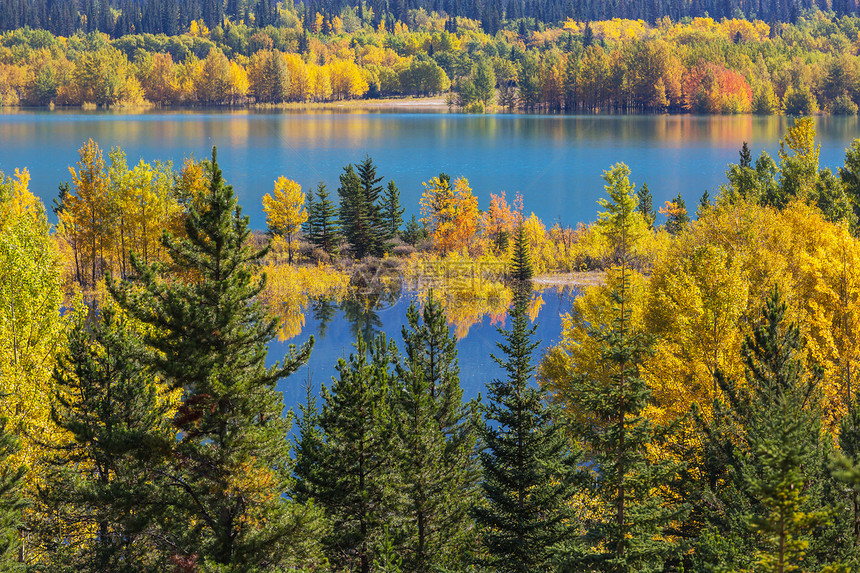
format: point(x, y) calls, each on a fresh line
point(209, 338)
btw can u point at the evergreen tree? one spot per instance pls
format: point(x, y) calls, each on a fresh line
point(414, 232)
point(308, 227)
point(746, 156)
point(704, 204)
point(528, 465)
point(437, 444)
point(209, 337)
point(677, 218)
point(521, 263)
point(346, 454)
point(105, 478)
point(645, 205)
point(12, 502)
point(393, 211)
point(779, 454)
point(355, 215)
point(326, 232)
point(372, 196)
point(631, 533)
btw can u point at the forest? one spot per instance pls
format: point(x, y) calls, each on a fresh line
point(700, 412)
point(696, 64)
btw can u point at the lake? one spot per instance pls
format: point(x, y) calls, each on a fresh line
point(555, 161)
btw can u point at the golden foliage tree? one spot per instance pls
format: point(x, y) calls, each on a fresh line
point(285, 210)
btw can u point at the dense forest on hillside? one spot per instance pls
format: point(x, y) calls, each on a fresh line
point(120, 17)
point(698, 65)
point(699, 412)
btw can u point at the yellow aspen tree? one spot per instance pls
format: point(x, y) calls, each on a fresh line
point(285, 210)
point(86, 214)
point(31, 325)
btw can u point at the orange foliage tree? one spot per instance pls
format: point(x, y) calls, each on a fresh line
point(450, 213)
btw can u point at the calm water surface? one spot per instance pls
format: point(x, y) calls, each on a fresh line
point(556, 163)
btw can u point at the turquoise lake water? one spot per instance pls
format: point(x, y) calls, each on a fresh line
point(556, 163)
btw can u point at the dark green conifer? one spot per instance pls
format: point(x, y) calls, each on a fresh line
point(346, 464)
point(773, 504)
point(631, 532)
point(704, 204)
point(12, 502)
point(437, 441)
point(105, 480)
point(746, 156)
point(393, 211)
point(529, 468)
point(311, 208)
point(414, 232)
point(645, 206)
point(325, 233)
point(373, 199)
point(360, 215)
point(521, 263)
point(677, 219)
point(209, 336)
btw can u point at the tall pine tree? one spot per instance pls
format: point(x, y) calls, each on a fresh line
point(437, 445)
point(529, 468)
point(631, 533)
point(104, 480)
point(209, 338)
point(324, 232)
point(346, 455)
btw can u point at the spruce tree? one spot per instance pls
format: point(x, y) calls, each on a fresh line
point(414, 232)
point(105, 479)
point(521, 263)
point(311, 208)
point(393, 212)
point(437, 439)
point(745, 156)
point(704, 204)
point(12, 502)
point(778, 450)
point(377, 227)
point(346, 464)
point(355, 216)
point(209, 338)
point(646, 205)
point(677, 219)
point(325, 233)
point(631, 533)
point(529, 468)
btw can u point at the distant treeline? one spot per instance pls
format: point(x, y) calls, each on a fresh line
point(120, 17)
point(700, 65)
